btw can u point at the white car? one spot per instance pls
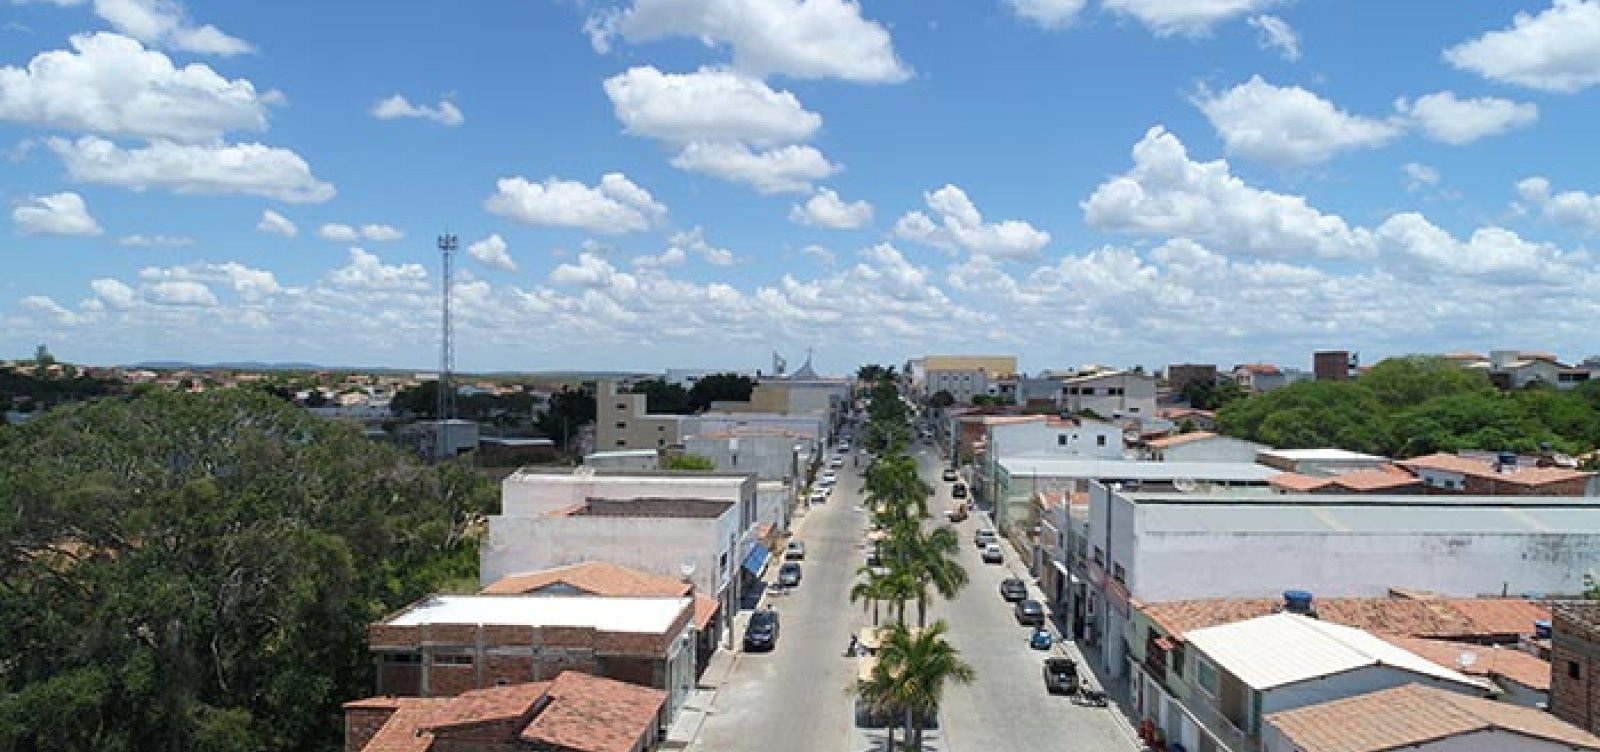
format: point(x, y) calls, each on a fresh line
point(836, 462)
point(828, 478)
point(992, 554)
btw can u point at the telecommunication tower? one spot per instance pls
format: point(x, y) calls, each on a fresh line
point(447, 355)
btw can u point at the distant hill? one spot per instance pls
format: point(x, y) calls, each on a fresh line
point(181, 365)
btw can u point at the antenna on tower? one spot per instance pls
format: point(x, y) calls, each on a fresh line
point(447, 354)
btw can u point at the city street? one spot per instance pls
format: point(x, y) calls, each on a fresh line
point(798, 696)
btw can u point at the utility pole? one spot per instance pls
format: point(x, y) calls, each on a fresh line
point(446, 407)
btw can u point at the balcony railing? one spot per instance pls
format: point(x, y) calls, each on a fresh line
point(1210, 721)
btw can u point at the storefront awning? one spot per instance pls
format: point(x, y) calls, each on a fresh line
point(756, 559)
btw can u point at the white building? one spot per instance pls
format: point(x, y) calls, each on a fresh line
point(1053, 437)
point(1202, 446)
point(1320, 461)
point(659, 522)
point(1247, 670)
point(1167, 545)
point(1113, 394)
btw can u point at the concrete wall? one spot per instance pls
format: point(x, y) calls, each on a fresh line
point(1092, 439)
point(809, 426)
point(773, 502)
point(1113, 395)
point(768, 457)
point(622, 422)
point(1350, 684)
point(1218, 449)
point(962, 384)
point(539, 494)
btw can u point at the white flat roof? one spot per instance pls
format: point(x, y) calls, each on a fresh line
point(1314, 455)
point(609, 614)
point(628, 477)
point(1084, 467)
point(1282, 649)
point(1195, 514)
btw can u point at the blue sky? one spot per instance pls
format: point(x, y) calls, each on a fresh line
point(654, 183)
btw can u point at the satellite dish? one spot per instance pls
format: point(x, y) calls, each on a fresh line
point(1466, 660)
point(686, 568)
point(1186, 485)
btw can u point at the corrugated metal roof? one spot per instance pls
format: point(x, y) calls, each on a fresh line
point(1282, 649)
point(1394, 518)
point(1079, 467)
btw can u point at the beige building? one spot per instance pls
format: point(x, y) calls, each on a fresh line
point(964, 376)
point(623, 422)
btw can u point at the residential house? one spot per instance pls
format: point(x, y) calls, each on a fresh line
point(1111, 394)
point(1259, 378)
point(1150, 546)
point(622, 421)
point(1233, 676)
point(446, 645)
point(1513, 369)
point(573, 712)
point(1499, 475)
point(607, 579)
point(1387, 479)
point(698, 525)
point(1035, 436)
point(1422, 718)
point(1203, 420)
point(1201, 446)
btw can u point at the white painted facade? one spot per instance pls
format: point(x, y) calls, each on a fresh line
point(962, 384)
point(1210, 449)
point(1046, 437)
point(1117, 394)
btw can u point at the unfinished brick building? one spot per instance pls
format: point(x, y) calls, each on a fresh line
point(1574, 659)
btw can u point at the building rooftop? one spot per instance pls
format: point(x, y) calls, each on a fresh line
point(589, 474)
point(1384, 478)
point(646, 615)
point(1344, 515)
point(1322, 455)
point(651, 507)
point(1445, 618)
point(1085, 467)
point(1524, 668)
point(1414, 716)
point(601, 578)
point(1519, 475)
point(594, 714)
point(1282, 649)
point(1183, 438)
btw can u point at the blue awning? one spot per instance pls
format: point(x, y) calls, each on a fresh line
point(756, 559)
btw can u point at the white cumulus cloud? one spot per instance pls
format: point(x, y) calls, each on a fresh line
point(826, 209)
point(164, 23)
point(368, 272)
point(1419, 176)
point(1557, 50)
point(115, 293)
point(1051, 14)
point(493, 253)
point(111, 85)
point(1167, 194)
point(787, 169)
point(1277, 34)
point(614, 206)
point(1571, 208)
point(180, 292)
point(156, 241)
point(694, 242)
point(1444, 117)
point(957, 224)
point(1184, 17)
point(273, 223)
point(57, 214)
point(193, 168)
point(397, 106)
point(1288, 125)
point(796, 38)
point(707, 105)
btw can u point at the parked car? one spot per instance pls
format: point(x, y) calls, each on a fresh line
point(983, 537)
point(992, 554)
point(1041, 639)
point(837, 461)
point(1028, 611)
point(828, 478)
point(789, 574)
point(762, 632)
point(795, 551)
point(819, 496)
point(949, 475)
point(958, 491)
point(1061, 676)
point(1013, 589)
point(957, 514)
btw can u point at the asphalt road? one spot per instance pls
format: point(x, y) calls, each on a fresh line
point(797, 697)
point(1006, 707)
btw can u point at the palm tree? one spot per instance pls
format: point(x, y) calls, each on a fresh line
point(932, 563)
point(872, 589)
point(917, 664)
point(878, 695)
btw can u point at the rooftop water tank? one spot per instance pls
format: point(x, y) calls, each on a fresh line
point(1541, 629)
point(1298, 602)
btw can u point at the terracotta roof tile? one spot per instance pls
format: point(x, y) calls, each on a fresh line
point(591, 714)
point(705, 609)
point(1523, 668)
point(1182, 438)
point(1413, 715)
point(1298, 482)
point(1384, 478)
point(593, 577)
point(1445, 618)
point(403, 731)
point(505, 703)
point(1522, 476)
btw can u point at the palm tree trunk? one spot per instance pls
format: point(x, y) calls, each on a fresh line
point(912, 730)
point(874, 612)
point(922, 609)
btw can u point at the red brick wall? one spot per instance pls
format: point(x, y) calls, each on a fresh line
point(361, 724)
point(1574, 645)
point(402, 680)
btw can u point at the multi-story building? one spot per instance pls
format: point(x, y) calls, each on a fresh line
point(1334, 365)
point(1575, 664)
point(1112, 394)
point(1181, 375)
point(966, 376)
point(623, 422)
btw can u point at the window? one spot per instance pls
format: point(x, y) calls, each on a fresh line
point(1099, 556)
point(622, 406)
point(402, 658)
point(1087, 391)
point(622, 424)
point(1573, 672)
point(1177, 660)
point(1061, 439)
point(1115, 391)
point(622, 442)
point(1118, 574)
point(452, 660)
point(1099, 441)
point(1205, 676)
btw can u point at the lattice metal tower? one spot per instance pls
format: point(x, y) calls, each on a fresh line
point(447, 353)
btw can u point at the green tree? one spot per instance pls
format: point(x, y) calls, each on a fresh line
point(688, 462)
point(931, 560)
point(419, 401)
point(719, 387)
point(198, 571)
point(569, 410)
point(1404, 382)
point(663, 398)
point(916, 666)
point(942, 398)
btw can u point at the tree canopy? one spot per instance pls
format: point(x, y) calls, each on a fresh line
point(197, 571)
point(1417, 405)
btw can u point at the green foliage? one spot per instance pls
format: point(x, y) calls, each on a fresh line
point(570, 409)
point(719, 387)
point(942, 398)
point(688, 462)
point(1416, 405)
point(1203, 395)
point(29, 392)
point(912, 671)
point(663, 398)
point(198, 571)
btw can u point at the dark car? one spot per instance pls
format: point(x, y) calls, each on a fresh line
point(1060, 676)
point(1030, 611)
point(789, 574)
point(762, 633)
point(958, 491)
point(1013, 589)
